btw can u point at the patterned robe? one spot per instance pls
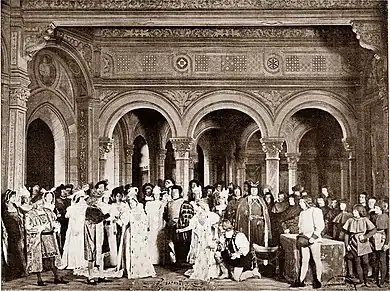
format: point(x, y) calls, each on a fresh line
point(41, 245)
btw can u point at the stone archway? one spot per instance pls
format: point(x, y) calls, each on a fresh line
point(227, 99)
point(128, 101)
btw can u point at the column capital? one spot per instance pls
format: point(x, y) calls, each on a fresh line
point(292, 160)
point(105, 146)
point(19, 96)
point(272, 146)
point(182, 146)
point(128, 148)
point(348, 144)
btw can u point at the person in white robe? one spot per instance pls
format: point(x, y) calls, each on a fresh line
point(73, 255)
point(154, 211)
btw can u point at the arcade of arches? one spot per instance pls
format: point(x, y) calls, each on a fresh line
point(136, 101)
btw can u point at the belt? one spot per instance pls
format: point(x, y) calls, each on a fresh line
point(47, 232)
point(255, 217)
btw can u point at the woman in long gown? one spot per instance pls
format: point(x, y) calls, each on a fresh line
point(135, 259)
point(73, 256)
point(202, 249)
point(154, 211)
point(14, 225)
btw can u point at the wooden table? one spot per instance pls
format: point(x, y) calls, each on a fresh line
point(332, 257)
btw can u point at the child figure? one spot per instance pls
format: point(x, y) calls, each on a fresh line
point(381, 243)
point(358, 230)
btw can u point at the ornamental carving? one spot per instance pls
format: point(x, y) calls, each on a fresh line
point(35, 38)
point(19, 95)
point(272, 98)
point(292, 160)
point(182, 98)
point(182, 146)
point(105, 146)
point(84, 48)
point(199, 4)
point(105, 95)
point(272, 147)
point(83, 145)
point(370, 35)
point(341, 35)
point(129, 152)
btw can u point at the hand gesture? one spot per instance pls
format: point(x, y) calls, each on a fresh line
point(311, 240)
point(385, 247)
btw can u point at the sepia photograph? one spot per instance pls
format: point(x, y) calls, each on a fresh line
point(173, 145)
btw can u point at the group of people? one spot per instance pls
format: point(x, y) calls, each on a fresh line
point(215, 232)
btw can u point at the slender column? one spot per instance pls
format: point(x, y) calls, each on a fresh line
point(348, 145)
point(128, 163)
point(314, 187)
point(192, 160)
point(182, 147)
point(206, 165)
point(105, 146)
point(241, 167)
point(272, 147)
point(292, 161)
point(344, 165)
point(161, 163)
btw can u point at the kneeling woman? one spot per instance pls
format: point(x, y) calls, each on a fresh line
point(135, 258)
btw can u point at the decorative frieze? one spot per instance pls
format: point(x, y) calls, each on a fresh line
point(272, 98)
point(336, 36)
point(199, 4)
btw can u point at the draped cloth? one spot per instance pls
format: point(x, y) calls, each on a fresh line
point(253, 220)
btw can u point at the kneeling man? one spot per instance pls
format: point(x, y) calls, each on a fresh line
point(237, 254)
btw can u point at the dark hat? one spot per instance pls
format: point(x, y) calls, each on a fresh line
point(61, 187)
point(103, 182)
point(117, 190)
point(69, 186)
point(297, 188)
point(146, 185)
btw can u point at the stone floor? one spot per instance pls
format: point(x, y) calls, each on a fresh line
point(166, 280)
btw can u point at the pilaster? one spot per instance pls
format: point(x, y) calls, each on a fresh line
point(128, 164)
point(351, 155)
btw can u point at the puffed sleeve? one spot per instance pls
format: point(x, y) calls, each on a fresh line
point(319, 224)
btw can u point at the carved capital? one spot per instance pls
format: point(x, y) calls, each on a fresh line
point(292, 160)
point(370, 35)
point(348, 144)
point(19, 96)
point(105, 146)
point(272, 147)
point(182, 146)
point(128, 149)
point(35, 38)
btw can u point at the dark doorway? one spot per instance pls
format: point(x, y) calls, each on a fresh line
point(40, 155)
point(138, 171)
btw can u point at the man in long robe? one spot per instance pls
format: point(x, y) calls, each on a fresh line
point(253, 218)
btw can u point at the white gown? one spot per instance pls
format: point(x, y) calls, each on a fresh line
point(154, 211)
point(73, 255)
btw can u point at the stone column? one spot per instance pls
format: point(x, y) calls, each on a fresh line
point(272, 147)
point(206, 165)
point(192, 161)
point(128, 164)
point(182, 147)
point(292, 161)
point(344, 165)
point(314, 187)
point(161, 163)
point(241, 167)
point(348, 146)
point(105, 146)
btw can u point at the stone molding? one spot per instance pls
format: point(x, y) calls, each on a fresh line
point(370, 35)
point(182, 146)
point(272, 146)
point(182, 98)
point(105, 146)
point(199, 4)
